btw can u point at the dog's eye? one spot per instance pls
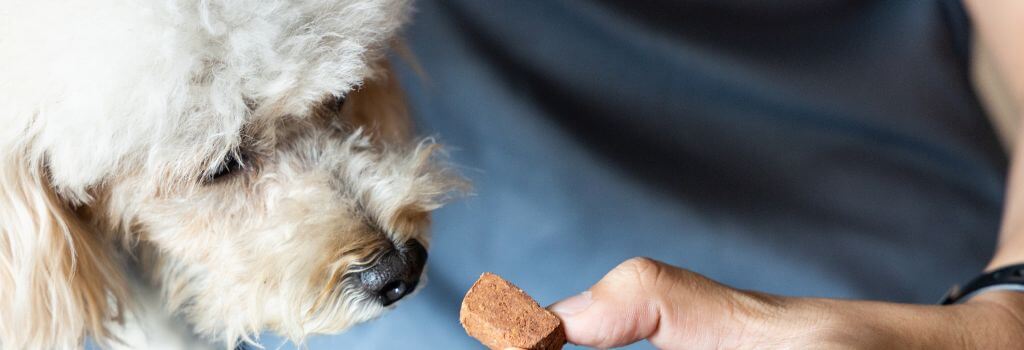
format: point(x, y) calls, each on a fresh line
point(229, 165)
point(337, 103)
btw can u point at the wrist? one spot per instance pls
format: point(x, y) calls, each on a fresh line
point(770, 322)
point(830, 323)
point(993, 320)
point(822, 323)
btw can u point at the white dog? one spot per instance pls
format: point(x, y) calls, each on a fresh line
point(248, 159)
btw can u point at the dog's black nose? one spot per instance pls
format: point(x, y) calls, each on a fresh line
point(396, 273)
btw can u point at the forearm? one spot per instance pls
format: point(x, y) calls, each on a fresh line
point(1010, 249)
point(999, 25)
point(984, 323)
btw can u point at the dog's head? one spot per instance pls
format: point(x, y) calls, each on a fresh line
point(252, 156)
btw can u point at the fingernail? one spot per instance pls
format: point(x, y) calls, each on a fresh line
point(573, 305)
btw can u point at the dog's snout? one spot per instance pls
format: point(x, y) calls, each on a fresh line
point(396, 273)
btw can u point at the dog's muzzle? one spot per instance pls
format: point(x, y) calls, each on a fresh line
point(395, 273)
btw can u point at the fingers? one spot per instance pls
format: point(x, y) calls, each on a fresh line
point(622, 308)
point(646, 299)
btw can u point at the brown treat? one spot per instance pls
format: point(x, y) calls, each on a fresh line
point(500, 315)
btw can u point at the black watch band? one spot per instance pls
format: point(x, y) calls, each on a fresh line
point(1006, 278)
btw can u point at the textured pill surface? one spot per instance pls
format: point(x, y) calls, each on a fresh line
point(500, 315)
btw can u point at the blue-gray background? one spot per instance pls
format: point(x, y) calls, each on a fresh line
point(801, 147)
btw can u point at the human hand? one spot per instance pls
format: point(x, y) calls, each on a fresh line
point(677, 309)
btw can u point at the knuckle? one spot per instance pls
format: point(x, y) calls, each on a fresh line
point(644, 271)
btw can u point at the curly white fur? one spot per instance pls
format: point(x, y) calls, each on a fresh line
point(114, 111)
point(177, 79)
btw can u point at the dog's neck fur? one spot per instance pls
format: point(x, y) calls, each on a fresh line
point(148, 324)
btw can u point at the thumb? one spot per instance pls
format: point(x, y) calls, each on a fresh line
point(646, 299)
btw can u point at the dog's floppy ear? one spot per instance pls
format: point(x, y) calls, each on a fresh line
point(58, 281)
point(378, 106)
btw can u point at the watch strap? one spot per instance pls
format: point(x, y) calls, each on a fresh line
point(1007, 278)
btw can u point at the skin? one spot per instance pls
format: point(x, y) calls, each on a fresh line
point(677, 309)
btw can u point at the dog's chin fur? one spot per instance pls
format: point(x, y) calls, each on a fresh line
point(115, 115)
